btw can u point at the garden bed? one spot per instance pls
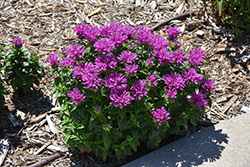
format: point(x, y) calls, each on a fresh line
point(48, 26)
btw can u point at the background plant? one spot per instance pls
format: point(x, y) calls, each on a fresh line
point(3, 90)
point(236, 13)
point(119, 86)
point(20, 69)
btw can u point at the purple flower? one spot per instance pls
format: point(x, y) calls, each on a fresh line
point(152, 79)
point(118, 38)
point(163, 55)
point(178, 57)
point(173, 32)
point(160, 115)
point(191, 76)
point(130, 69)
point(97, 108)
point(127, 57)
point(67, 62)
point(143, 35)
point(88, 32)
point(174, 81)
point(140, 89)
point(196, 57)
point(115, 81)
point(198, 99)
point(120, 97)
point(92, 80)
point(76, 96)
point(208, 85)
point(104, 45)
point(107, 31)
point(158, 42)
point(172, 93)
point(17, 41)
point(83, 68)
point(104, 63)
point(53, 59)
point(75, 51)
point(149, 62)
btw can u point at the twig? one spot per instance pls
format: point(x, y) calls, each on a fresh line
point(177, 17)
point(42, 148)
point(46, 160)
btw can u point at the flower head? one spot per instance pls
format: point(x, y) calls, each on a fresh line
point(191, 76)
point(53, 59)
point(160, 115)
point(208, 85)
point(67, 62)
point(75, 51)
point(172, 93)
point(76, 96)
point(120, 97)
point(174, 81)
point(149, 62)
point(127, 57)
point(118, 38)
point(88, 32)
point(17, 41)
point(178, 57)
point(104, 45)
point(152, 79)
point(115, 81)
point(196, 57)
point(140, 89)
point(92, 80)
point(104, 62)
point(198, 99)
point(173, 32)
point(163, 55)
point(130, 69)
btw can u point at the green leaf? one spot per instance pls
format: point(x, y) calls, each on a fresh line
point(93, 123)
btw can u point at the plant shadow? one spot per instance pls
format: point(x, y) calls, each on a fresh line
point(192, 150)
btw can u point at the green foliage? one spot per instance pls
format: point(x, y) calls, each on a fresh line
point(99, 127)
point(21, 70)
point(236, 13)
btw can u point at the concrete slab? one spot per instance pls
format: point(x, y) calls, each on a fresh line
point(227, 144)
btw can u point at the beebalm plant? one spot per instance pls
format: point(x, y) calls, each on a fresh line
point(20, 69)
point(3, 90)
point(120, 86)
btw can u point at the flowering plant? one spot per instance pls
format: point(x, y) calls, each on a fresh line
point(119, 86)
point(3, 90)
point(20, 69)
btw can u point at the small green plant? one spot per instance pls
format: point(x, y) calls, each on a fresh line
point(3, 90)
point(119, 86)
point(20, 69)
point(236, 13)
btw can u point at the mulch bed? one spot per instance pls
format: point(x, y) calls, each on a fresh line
point(48, 26)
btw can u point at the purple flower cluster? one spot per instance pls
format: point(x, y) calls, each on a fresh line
point(191, 76)
point(127, 57)
point(17, 41)
point(130, 69)
point(173, 32)
point(173, 82)
point(152, 79)
point(160, 115)
point(120, 98)
point(196, 57)
point(91, 33)
point(104, 63)
point(178, 57)
point(76, 96)
point(88, 73)
point(198, 99)
point(139, 89)
point(163, 56)
point(67, 62)
point(104, 45)
point(75, 51)
point(53, 59)
point(208, 85)
point(143, 35)
point(149, 62)
point(115, 81)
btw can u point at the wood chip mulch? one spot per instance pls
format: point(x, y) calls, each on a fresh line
point(29, 130)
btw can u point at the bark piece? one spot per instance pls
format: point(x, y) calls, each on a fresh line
point(95, 12)
point(52, 126)
point(13, 119)
point(46, 160)
point(4, 146)
point(229, 104)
